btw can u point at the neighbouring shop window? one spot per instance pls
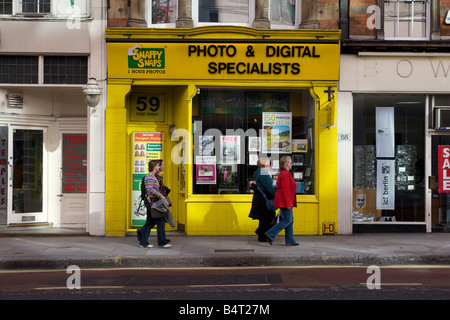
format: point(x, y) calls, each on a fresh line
point(5, 6)
point(405, 19)
point(34, 6)
point(65, 69)
point(232, 128)
point(282, 12)
point(164, 11)
point(223, 11)
point(388, 158)
point(19, 69)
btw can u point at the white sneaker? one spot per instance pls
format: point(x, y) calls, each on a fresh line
point(167, 245)
point(148, 246)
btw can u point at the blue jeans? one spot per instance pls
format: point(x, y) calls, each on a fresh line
point(286, 223)
point(160, 230)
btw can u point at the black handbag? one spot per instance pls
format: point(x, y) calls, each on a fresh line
point(269, 203)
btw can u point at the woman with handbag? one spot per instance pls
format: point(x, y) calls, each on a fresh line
point(263, 190)
point(285, 199)
point(153, 195)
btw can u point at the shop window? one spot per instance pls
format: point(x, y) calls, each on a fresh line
point(228, 11)
point(282, 12)
point(5, 6)
point(164, 11)
point(19, 69)
point(388, 158)
point(65, 70)
point(34, 6)
point(406, 19)
point(232, 128)
point(43, 8)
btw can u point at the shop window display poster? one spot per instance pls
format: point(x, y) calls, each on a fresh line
point(145, 146)
point(205, 170)
point(277, 132)
point(230, 149)
point(385, 133)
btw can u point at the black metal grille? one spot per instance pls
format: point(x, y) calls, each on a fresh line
point(19, 69)
point(65, 69)
point(5, 6)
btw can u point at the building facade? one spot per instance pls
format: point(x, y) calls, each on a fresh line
point(211, 88)
point(392, 131)
point(52, 169)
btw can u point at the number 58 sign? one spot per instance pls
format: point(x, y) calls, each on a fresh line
point(147, 107)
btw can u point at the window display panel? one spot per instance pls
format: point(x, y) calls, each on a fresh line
point(233, 128)
point(388, 158)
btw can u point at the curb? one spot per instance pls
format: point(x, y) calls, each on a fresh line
point(223, 261)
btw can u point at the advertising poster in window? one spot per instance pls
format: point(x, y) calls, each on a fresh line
point(230, 149)
point(385, 184)
point(145, 146)
point(205, 170)
point(3, 173)
point(385, 133)
point(277, 131)
point(74, 167)
point(444, 169)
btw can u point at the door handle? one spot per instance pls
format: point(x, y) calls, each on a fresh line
point(431, 182)
point(59, 195)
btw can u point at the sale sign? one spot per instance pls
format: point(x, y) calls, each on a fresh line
point(444, 169)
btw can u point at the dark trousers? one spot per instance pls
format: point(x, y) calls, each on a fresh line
point(265, 223)
point(160, 230)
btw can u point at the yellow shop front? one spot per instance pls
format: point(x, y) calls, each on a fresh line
point(209, 101)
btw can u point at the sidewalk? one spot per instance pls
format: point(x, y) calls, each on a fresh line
point(60, 251)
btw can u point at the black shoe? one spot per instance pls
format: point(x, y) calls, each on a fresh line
point(268, 239)
point(139, 234)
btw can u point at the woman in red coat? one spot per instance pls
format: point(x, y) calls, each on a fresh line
point(285, 199)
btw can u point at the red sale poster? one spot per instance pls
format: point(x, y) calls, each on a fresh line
point(444, 169)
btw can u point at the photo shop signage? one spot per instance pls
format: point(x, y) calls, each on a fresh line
point(385, 184)
point(299, 59)
point(444, 169)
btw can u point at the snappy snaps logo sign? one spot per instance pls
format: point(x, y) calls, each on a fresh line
point(146, 60)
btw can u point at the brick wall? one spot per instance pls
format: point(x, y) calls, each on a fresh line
point(358, 18)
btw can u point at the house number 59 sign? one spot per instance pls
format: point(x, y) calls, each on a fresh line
point(147, 107)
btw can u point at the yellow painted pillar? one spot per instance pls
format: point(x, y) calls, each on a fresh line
point(327, 156)
point(116, 159)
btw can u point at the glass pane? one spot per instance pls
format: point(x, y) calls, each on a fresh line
point(390, 9)
point(404, 28)
point(34, 6)
point(5, 6)
point(282, 11)
point(27, 170)
point(419, 29)
point(404, 9)
point(231, 132)
point(389, 29)
point(223, 11)
point(406, 186)
point(164, 11)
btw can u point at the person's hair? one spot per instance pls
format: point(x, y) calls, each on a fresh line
point(262, 162)
point(283, 161)
point(152, 164)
